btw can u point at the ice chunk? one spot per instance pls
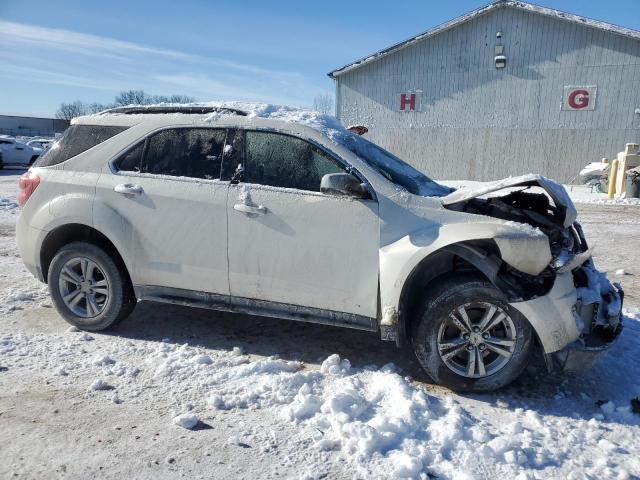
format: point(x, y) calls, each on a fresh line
point(186, 420)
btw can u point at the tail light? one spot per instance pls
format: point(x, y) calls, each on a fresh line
point(28, 183)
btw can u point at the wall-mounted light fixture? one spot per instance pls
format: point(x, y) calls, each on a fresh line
point(500, 59)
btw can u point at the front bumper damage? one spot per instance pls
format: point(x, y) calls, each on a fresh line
point(578, 320)
point(598, 314)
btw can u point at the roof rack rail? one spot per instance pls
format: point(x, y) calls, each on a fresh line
point(187, 109)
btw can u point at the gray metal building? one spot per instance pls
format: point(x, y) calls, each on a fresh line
point(506, 89)
point(31, 126)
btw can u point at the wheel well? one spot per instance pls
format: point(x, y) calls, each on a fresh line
point(61, 236)
point(434, 268)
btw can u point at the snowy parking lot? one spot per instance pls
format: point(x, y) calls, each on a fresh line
point(176, 391)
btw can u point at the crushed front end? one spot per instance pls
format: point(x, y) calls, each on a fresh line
point(574, 309)
point(598, 313)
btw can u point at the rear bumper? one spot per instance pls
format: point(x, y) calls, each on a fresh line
point(29, 240)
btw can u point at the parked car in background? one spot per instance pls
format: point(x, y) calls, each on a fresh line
point(18, 153)
point(285, 213)
point(42, 143)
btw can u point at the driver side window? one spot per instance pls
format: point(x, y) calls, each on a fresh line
point(284, 161)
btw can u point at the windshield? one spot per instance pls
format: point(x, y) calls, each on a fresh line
point(394, 169)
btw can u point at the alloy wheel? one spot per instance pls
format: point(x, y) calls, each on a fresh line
point(83, 287)
point(476, 340)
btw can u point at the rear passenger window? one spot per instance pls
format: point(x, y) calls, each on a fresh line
point(77, 139)
point(284, 161)
point(185, 152)
point(131, 161)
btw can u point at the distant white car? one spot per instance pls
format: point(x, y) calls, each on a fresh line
point(284, 213)
point(42, 143)
point(18, 153)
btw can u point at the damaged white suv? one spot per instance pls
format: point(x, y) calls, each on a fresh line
point(284, 213)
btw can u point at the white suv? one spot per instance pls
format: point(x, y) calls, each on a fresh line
point(285, 213)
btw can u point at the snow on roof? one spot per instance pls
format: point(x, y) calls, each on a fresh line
point(529, 7)
point(211, 111)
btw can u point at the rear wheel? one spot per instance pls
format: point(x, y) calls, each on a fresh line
point(89, 288)
point(468, 338)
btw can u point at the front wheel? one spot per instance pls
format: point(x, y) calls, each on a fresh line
point(90, 289)
point(468, 338)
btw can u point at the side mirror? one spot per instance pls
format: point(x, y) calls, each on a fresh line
point(343, 184)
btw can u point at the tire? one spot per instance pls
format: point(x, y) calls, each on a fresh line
point(443, 348)
point(96, 300)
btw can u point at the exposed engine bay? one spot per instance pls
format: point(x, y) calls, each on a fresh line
point(567, 244)
point(534, 209)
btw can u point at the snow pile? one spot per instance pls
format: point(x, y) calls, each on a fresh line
point(384, 424)
point(375, 417)
point(99, 384)
point(183, 362)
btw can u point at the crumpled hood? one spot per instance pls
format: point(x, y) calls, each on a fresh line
point(556, 191)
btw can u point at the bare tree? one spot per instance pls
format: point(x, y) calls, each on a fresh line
point(131, 97)
point(67, 111)
point(96, 107)
point(139, 97)
point(181, 99)
point(323, 103)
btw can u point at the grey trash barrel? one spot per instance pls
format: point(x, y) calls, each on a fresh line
point(633, 183)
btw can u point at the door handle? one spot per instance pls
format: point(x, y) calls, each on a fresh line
point(128, 189)
point(250, 209)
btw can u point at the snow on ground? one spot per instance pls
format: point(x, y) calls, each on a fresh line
point(179, 391)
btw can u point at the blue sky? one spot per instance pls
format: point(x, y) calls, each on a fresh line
point(275, 51)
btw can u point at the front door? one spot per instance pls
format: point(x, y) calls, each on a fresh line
point(291, 244)
point(173, 207)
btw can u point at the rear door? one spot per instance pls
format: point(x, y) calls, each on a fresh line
point(291, 244)
point(168, 193)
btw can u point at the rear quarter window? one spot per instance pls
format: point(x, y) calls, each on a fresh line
point(77, 139)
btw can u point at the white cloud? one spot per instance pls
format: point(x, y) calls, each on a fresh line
point(93, 45)
point(64, 57)
point(40, 75)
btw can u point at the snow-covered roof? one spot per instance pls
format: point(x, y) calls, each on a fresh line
point(529, 7)
point(203, 112)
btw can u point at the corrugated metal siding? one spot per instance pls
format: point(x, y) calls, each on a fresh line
point(479, 122)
